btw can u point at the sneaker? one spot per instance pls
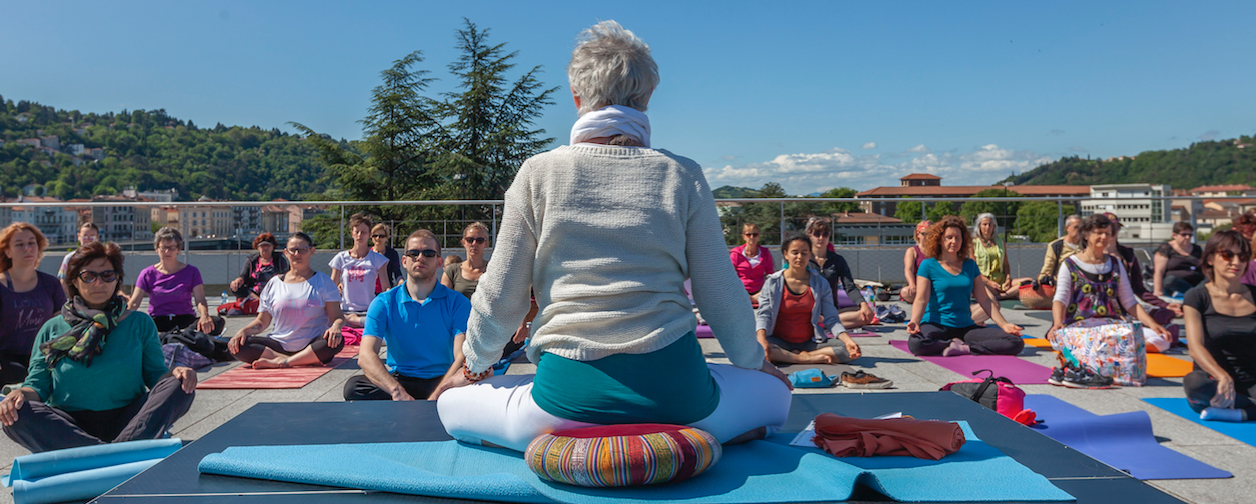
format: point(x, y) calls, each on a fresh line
point(1086, 379)
point(1057, 376)
point(862, 380)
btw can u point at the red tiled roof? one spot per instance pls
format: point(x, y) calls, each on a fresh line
point(1223, 187)
point(863, 218)
point(921, 176)
point(960, 191)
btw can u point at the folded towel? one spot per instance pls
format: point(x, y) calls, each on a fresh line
point(858, 437)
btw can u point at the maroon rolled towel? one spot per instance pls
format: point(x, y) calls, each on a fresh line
point(860, 437)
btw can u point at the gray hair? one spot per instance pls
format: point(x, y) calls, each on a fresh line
point(1073, 218)
point(167, 233)
point(977, 224)
point(611, 66)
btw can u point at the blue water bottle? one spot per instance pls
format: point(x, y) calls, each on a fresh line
point(224, 297)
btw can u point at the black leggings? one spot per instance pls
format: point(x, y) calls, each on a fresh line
point(360, 388)
point(934, 338)
point(167, 323)
point(1200, 388)
point(13, 367)
point(254, 346)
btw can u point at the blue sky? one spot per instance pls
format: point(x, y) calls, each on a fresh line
point(812, 95)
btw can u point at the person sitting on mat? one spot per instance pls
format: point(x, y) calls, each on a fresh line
point(911, 262)
point(173, 289)
point(423, 325)
point(941, 323)
point(87, 233)
point(97, 374)
point(1220, 322)
point(305, 307)
point(1162, 311)
point(259, 268)
point(381, 236)
point(356, 271)
point(28, 298)
point(1062, 247)
point(990, 253)
point(852, 308)
point(1177, 263)
point(606, 230)
point(464, 277)
point(752, 262)
point(1090, 290)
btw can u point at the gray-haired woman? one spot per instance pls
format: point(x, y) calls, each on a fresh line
point(175, 290)
point(991, 255)
point(606, 230)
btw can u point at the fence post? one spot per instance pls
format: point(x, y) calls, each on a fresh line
point(342, 227)
point(1059, 217)
point(782, 222)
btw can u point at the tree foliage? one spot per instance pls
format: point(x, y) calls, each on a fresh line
point(1231, 161)
point(1005, 212)
point(908, 211)
point(1039, 220)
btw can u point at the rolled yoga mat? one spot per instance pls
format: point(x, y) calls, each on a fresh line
point(1242, 431)
point(245, 377)
point(1020, 371)
point(758, 471)
point(85, 472)
point(1124, 441)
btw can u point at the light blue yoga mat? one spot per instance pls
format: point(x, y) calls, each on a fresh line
point(1124, 440)
point(85, 472)
point(1242, 431)
point(759, 471)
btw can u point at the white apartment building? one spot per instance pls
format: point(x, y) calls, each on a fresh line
point(58, 224)
point(123, 222)
point(1144, 215)
point(205, 221)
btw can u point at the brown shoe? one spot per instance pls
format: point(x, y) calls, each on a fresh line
point(862, 380)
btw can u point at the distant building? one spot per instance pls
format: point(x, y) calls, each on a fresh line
point(166, 196)
point(1144, 215)
point(96, 153)
point(76, 149)
point(205, 221)
point(29, 142)
point(920, 180)
point(51, 142)
point(247, 220)
point(58, 224)
point(1213, 191)
point(930, 186)
point(122, 222)
point(870, 229)
point(276, 220)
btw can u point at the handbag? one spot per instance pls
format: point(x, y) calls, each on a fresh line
point(1115, 349)
point(996, 393)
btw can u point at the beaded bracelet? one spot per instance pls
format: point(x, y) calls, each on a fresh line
point(475, 377)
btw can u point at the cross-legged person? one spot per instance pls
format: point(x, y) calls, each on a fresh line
point(1061, 248)
point(357, 271)
point(1220, 323)
point(1176, 263)
point(990, 253)
point(175, 292)
point(423, 324)
point(28, 298)
point(796, 321)
point(911, 262)
point(258, 269)
point(605, 231)
point(97, 374)
point(87, 233)
point(752, 262)
point(852, 308)
point(304, 307)
point(941, 323)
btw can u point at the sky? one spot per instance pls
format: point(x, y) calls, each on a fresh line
point(811, 95)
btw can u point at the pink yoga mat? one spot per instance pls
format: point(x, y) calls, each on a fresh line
point(1020, 371)
point(245, 377)
point(704, 331)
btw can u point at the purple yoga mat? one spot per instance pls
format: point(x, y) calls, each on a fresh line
point(1020, 371)
point(704, 331)
point(1124, 440)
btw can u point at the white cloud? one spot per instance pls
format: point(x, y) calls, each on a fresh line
point(804, 173)
point(869, 146)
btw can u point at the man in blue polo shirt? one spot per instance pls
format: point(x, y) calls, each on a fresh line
point(422, 322)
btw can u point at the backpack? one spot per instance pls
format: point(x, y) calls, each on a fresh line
point(996, 393)
point(212, 348)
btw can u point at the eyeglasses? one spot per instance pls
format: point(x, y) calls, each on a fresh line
point(1229, 255)
point(89, 277)
point(1187, 235)
point(821, 234)
point(379, 236)
point(298, 250)
point(475, 239)
point(415, 253)
point(167, 249)
point(752, 235)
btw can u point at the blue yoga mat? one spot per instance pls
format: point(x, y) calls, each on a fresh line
point(1242, 431)
point(759, 471)
point(1124, 440)
point(85, 472)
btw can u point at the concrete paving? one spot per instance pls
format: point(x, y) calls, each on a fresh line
point(214, 407)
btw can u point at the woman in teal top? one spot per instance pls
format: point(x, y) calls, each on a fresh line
point(940, 319)
point(97, 374)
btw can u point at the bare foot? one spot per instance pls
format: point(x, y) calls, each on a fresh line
point(276, 363)
point(814, 358)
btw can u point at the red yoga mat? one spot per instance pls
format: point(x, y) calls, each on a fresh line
point(1020, 371)
point(245, 377)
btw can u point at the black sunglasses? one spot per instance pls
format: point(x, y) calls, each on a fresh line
point(1229, 255)
point(477, 239)
point(89, 277)
point(415, 253)
point(379, 236)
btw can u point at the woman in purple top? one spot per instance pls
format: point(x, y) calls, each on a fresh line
point(28, 298)
point(752, 262)
point(171, 287)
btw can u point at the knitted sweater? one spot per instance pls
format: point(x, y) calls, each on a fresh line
point(607, 236)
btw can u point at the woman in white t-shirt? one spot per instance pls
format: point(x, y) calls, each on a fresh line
point(305, 308)
point(355, 271)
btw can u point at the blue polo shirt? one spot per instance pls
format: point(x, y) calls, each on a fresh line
point(419, 334)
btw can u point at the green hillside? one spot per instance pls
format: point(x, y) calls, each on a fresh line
point(1203, 163)
point(151, 150)
point(734, 192)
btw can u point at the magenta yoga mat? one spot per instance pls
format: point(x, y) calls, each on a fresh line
point(1014, 368)
point(704, 331)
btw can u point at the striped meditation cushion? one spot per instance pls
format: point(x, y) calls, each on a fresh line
point(622, 455)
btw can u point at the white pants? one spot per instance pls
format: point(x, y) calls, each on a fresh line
point(500, 409)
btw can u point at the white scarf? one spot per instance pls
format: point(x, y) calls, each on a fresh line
point(610, 121)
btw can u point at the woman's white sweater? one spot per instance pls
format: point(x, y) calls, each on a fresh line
point(607, 235)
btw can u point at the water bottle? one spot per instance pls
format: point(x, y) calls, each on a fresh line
point(224, 297)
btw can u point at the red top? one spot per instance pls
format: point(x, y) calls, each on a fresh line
point(793, 323)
